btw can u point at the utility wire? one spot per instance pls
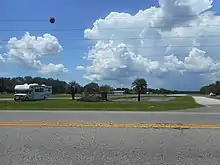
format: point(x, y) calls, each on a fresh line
point(23, 20)
point(117, 17)
point(129, 47)
point(134, 38)
point(111, 28)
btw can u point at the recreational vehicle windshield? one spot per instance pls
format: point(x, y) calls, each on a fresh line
point(32, 92)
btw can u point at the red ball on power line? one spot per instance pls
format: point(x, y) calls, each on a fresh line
point(52, 20)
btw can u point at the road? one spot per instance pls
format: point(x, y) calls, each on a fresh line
point(57, 144)
point(100, 146)
point(206, 101)
point(205, 115)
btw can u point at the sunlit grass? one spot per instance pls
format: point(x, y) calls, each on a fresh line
point(178, 103)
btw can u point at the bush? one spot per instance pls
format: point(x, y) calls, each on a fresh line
point(90, 99)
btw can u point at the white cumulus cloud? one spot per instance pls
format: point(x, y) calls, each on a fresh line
point(173, 45)
point(28, 51)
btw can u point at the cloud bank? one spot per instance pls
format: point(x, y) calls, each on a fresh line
point(173, 45)
point(28, 51)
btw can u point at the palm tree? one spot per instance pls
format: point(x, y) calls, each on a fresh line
point(74, 86)
point(105, 88)
point(139, 85)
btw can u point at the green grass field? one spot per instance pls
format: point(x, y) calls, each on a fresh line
point(79, 95)
point(10, 95)
point(3, 95)
point(178, 103)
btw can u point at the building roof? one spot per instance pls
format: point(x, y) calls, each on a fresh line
point(118, 91)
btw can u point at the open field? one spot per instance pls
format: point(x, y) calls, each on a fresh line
point(10, 95)
point(178, 103)
point(3, 95)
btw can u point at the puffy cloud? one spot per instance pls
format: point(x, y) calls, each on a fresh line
point(175, 41)
point(80, 67)
point(28, 51)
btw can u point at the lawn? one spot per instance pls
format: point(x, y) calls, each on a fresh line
point(6, 95)
point(178, 103)
point(10, 95)
point(65, 95)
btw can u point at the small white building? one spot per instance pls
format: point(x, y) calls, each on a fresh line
point(118, 93)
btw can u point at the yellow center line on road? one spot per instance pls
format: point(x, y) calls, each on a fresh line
point(109, 125)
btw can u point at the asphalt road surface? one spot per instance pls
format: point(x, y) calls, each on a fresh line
point(37, 145)
point(102, 146)
point(205, 115)
point(206, 101)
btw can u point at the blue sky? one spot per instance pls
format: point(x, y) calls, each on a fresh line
point(216, 6)
point(69, 14)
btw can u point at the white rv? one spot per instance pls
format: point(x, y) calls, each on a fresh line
point(32, 92)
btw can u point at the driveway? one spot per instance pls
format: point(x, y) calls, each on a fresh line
point(206, 101)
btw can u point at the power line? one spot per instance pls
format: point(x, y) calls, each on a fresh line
point(145, 38)
point(131, 47)
point(107, 17)
point(136, 38)
point(22, 20)
point(109, 28)
point(161, 46)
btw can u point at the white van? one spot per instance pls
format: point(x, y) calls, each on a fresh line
point(32, 92)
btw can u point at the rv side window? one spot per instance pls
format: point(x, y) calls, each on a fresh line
point(41, 89)
point(48, 89)
point(21, 91)
point(37, 90)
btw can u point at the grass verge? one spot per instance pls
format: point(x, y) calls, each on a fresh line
point(178, 103)
point(10, 95)
point(2, 95)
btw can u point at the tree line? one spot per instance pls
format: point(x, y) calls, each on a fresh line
point(138, 86)
point(212, 88)
point(7, 84)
